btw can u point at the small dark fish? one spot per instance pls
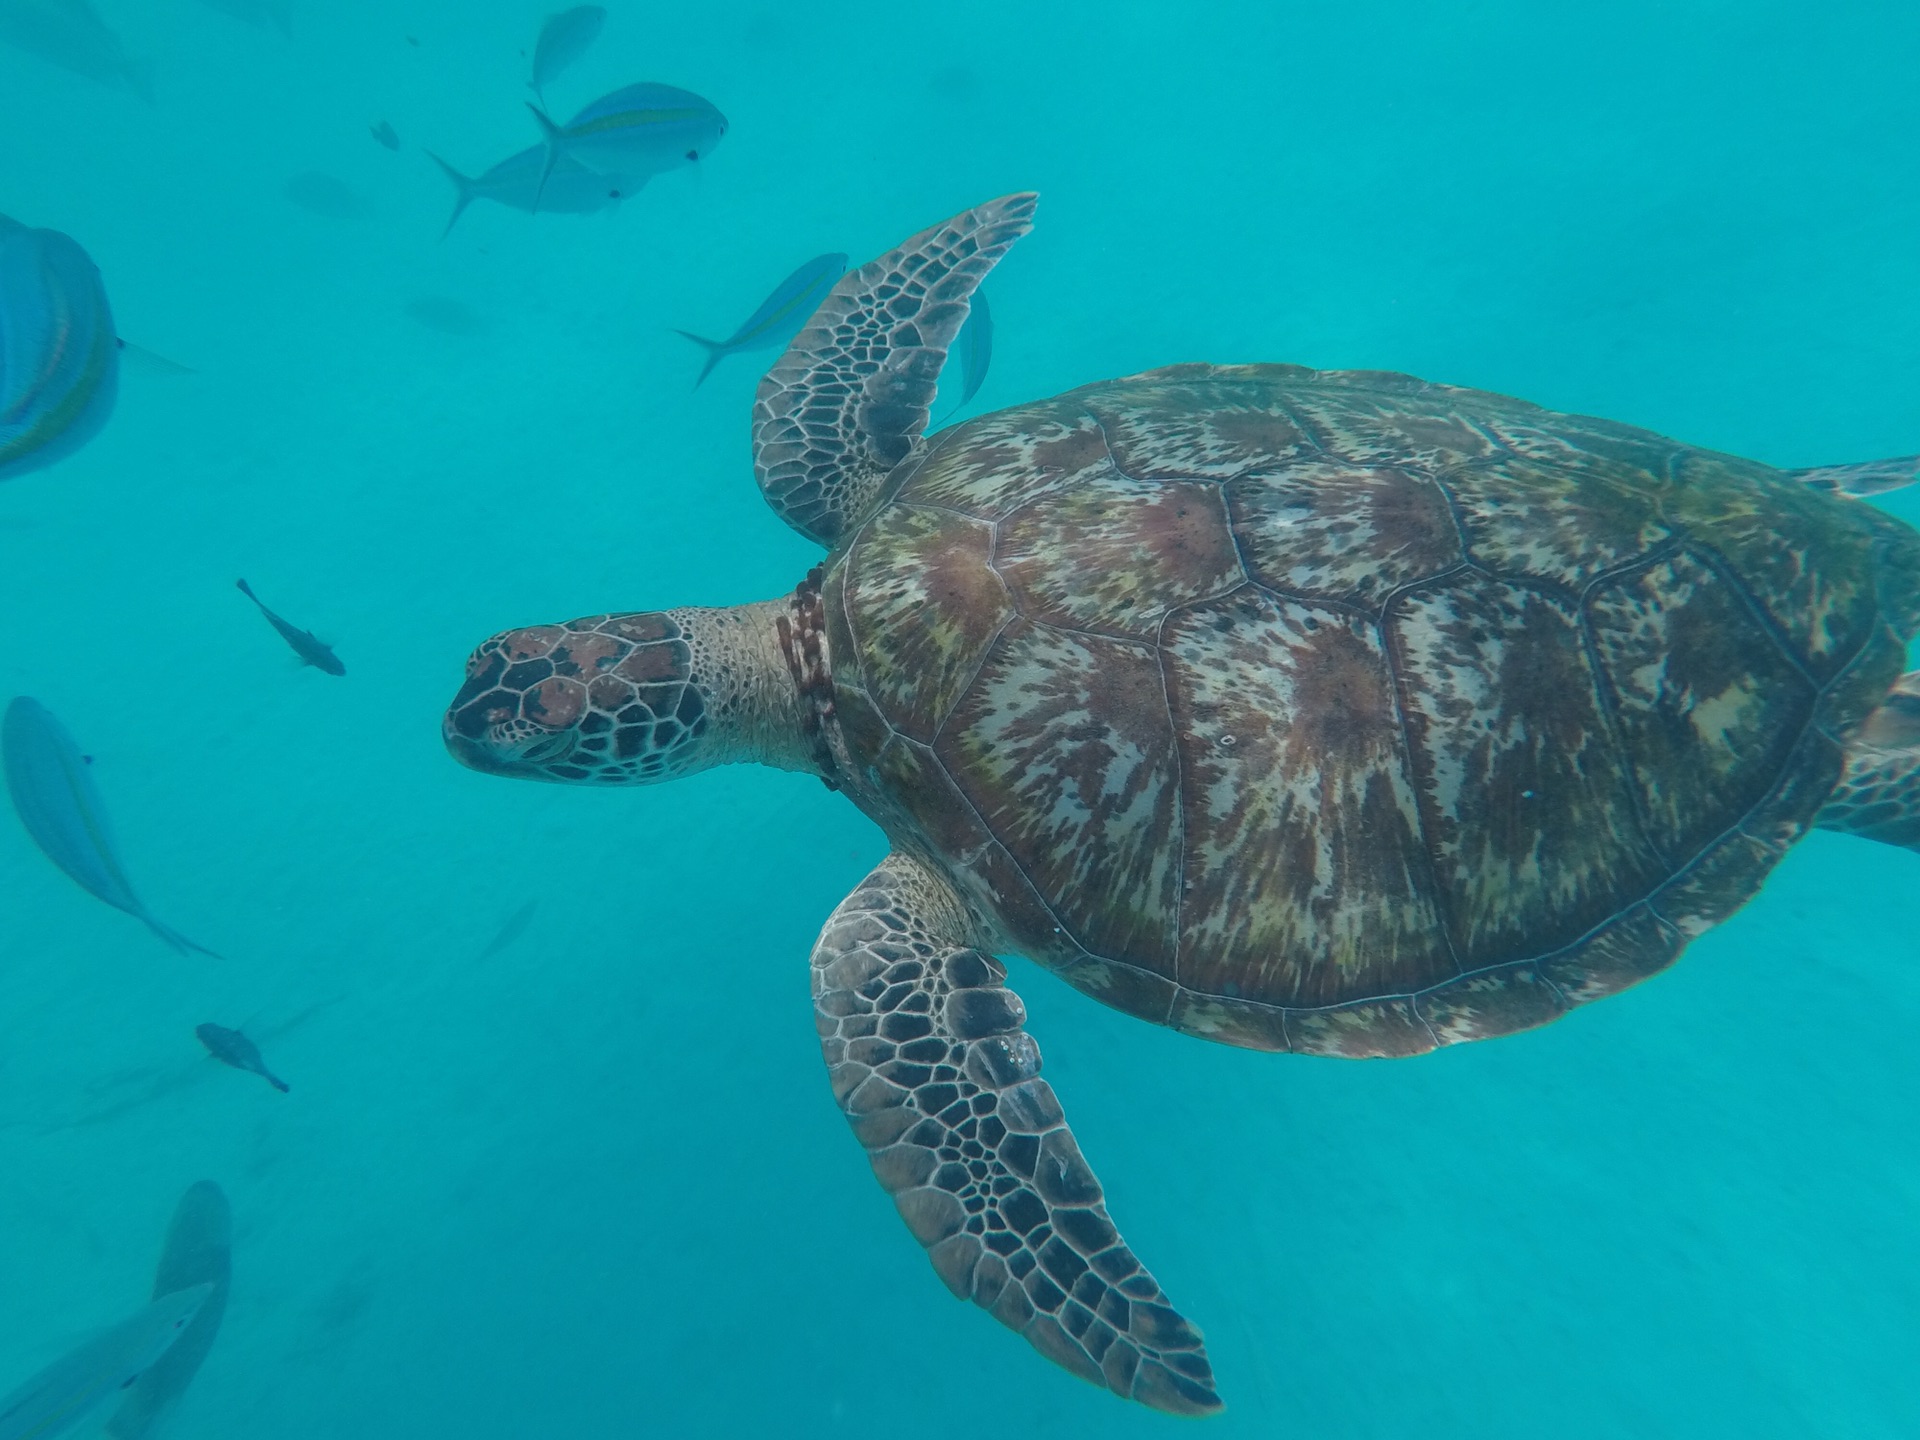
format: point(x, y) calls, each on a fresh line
point(197, 1252)
point(511, 930)
point(781, 316)
point(323, 195)
point(51, 784)
point(564, 39)
point(975, 344)
point(310, 648)
point(385, 134)
point(230, 1047)
point(59, 357)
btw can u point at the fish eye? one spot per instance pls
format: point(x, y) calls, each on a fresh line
point(613, 194)
point(693, 154)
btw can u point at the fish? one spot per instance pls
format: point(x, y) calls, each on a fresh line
point(309, 647)
point(975, 344)
point(781, 316)
point(230, 1047)
point(572, 189)
point(564, 38)
point(198, 1251)
point(643, 129)
point(273, 14)
point(511, 929)
point(69, 1392)
point(59, 356)
point(53, 794)
point(323, 195)
point(385, 134)
point(71, 35)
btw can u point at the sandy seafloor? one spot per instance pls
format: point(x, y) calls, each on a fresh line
point(596, 1185)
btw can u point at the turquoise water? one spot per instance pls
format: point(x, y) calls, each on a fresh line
point(595, 1184)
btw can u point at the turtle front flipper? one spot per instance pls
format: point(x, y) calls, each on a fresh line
point(1878, 796)
point(932, 1068)
point(855, 389)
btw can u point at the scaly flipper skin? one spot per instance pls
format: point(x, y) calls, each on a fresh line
point(854, 391)
point(1871, 477)
point(932, 1068)
point(1878, 797)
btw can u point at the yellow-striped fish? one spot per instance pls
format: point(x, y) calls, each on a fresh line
point(59, 358)
point(637, 130)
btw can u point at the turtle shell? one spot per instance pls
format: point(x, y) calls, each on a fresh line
point(1346, 713)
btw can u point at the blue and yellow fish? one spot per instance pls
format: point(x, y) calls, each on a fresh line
point(59, 357)
point(781, 316)
point(641, 129)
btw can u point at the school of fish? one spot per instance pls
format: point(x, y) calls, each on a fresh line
point(60, 363)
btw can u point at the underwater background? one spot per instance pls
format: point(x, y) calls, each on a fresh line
point(594, 1183)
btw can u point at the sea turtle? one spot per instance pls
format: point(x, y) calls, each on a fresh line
point(1332, 712)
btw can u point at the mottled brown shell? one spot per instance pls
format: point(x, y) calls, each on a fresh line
point(1341, 712)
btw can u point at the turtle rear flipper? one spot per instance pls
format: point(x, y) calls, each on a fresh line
point(1870, 477)
point(940, 1082)
point(1879, 795)
point(855, 390)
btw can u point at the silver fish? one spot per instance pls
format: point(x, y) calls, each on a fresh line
point(572, 189)
point(564, 39)
point(198, 1251)
point(644, 129)
point(59, 359)
point(53, 794)
point(75, 1387)
point(781, 315)
point(71, 34)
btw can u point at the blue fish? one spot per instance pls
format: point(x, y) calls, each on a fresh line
point(563, 40)
point(59, 359)
point(72, 1390)
point(53, 794)
point(197, 1252)
point(641, 129)
point(975, 344)
point(781, 316)
point(572, 189)
point(71, 34)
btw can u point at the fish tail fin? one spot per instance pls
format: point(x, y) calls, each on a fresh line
point(279, 1084)
point(463, 192)
point(553, 137)
point(178, 941)
point(716, 352)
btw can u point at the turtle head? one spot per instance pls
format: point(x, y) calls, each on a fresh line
point(620, 699)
